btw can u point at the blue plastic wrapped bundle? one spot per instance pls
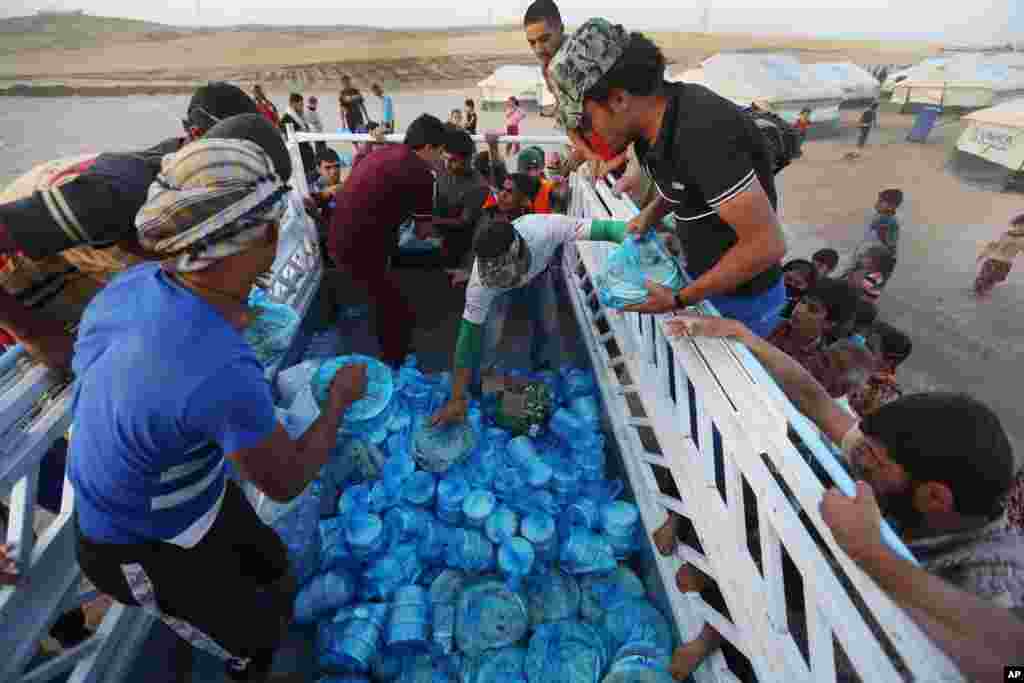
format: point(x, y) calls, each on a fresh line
point(601, 592)
point(477, 507)
point(603, 490)
point(591, 462)
point(636, 260)
point(584, 513)
point(271, 331)
point(354, 499)
point(522, 453)
point(435, 449)
point(388, 573)
point(443, 627)
point(502, 525)
point(565, 481)
point(507, 665)
point(334, 551)
point(451, 492)
point(468, 549)
point(588, 409)
point(515, 560)
point(432, 546)
point(387, 666)
point(639, 663)
point(507, 479)
point(552, 595)
point(565, 651)
point(621, 520)
point(366, 458)
point(576, 382)
point(366, 535)
point(430, 669)
point(380, 386)
point(325, 593)
point(419, 489)
point(384, 497)
point(408, 627)
point(539, 529)
point(567, 425)
point(297, 523)
point(632, 621)
point(407, 523)
point(585, 552)
point(351, 641)
point(488, 617)
point(527, 501)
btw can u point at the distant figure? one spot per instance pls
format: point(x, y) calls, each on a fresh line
point(825, 261)
point(867, 121)
point(316, 125)
point(471, 118)
point(514, 115)
point(998, 257)
point(296, 117)
point(885, 227)
point(265, 106)
point(387, 108)
point(455, 118)
point(353, 108)
point(871, 272)
point(803, 122)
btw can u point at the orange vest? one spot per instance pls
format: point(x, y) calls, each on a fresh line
point(542, 202)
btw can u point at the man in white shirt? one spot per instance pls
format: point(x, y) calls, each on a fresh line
point(512, 262)
point(316, 125)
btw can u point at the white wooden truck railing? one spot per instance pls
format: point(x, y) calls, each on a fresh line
point(705, 414)
point(34, 413)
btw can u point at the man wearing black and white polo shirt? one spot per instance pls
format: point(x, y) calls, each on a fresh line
point(711, 168)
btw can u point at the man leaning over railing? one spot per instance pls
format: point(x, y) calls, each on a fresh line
point(710, 164)
point(941, 466)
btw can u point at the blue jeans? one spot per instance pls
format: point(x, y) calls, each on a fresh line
point(762, 312)
point(541, 301)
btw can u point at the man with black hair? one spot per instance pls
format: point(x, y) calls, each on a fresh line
point(710, 163)
point(823, 308)
point(940, 466)
point(514, 199)
point(326, 186)
point(545, 33)
point(387, 188)
point(66, 228)
point(461, 193)
point(353, 107)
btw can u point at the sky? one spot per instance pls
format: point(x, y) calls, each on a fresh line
point(975, 21)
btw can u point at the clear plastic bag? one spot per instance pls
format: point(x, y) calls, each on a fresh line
point(272, 329)
point(635, 261)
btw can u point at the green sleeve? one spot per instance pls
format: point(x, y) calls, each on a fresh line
point(467, 348)
point(608, 231)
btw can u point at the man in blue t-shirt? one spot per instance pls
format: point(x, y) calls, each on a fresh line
point(387, 108)
point(168, 389)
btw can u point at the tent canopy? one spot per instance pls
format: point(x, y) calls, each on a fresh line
point(970, 80)
point(524, 82)
point(855, 82)
point(778, 81)
point(996, 134)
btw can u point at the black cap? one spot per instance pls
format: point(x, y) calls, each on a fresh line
point(217, 101)
point(256, 128)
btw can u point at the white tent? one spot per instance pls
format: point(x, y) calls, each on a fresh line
point(996, 134)
point(780, 82)
point(855, 82)
point(521, 82)
point(969, 81)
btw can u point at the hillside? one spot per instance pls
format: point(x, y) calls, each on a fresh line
point(87, 52)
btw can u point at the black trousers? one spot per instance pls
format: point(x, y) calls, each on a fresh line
point(230, 595)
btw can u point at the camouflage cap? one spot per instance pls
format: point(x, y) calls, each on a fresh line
point(584, 58)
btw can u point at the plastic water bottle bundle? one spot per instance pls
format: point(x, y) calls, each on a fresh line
point(566, 651)
point(551, 595)
point(501, 525)
point(272, 328)
point(451, 492)
point(419, 489)
point(350, 641)
point(366, 535)
point(408, 627)
point(639, 663)
point(438, 448)
point(585, 552)
point(324, 594)
point(575, 382)
point(369, 416)
point(601, 592)
point(523, 455)
point(621, 521)
point(389, 572)
point(469, 550)
point(539, 529)
point(636, 260)
point(515, 560)
point(477, 507)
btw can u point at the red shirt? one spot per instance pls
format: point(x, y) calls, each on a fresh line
point(386, 189)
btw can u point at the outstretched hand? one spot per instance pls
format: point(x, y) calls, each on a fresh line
point(660, 299)
point(704, 326)
point(348, 385)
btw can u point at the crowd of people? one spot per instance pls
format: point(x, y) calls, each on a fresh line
point(114, 264)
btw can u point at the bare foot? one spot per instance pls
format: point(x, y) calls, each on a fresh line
point(665, 537)
point(689, 579)
point(688, 656)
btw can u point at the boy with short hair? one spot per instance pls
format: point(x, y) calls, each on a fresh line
point(825, 260)
point(471, 117)
point(885, 228)
point(892, 347)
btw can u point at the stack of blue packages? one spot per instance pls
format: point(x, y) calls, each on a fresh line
point(636, 260)
point(272, 328)
point(464, 555)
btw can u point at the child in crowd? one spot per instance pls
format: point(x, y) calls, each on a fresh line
point(871, 272)
point(825, 261)
point(891, 347)
point(863, 322)
point(471, 117)
point(885, 227)
point(514, 116)
point(455, 118)
point(998, 257)
point(799, 275)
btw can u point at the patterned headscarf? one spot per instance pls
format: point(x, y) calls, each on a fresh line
point(211, 200)
point(582, 61)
